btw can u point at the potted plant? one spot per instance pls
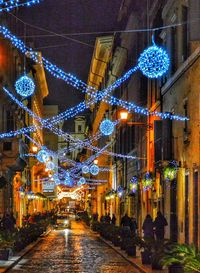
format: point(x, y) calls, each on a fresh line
point(116, 236)
point(157, 253)
point(180, 258)
point(131, 246)
point(146, 246)
point(6, 244)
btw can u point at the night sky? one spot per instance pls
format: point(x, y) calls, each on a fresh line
point(68, 16)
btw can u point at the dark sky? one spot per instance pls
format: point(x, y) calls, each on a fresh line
point(69, 16)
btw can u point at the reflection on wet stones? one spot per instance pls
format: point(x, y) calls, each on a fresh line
point(73, 251)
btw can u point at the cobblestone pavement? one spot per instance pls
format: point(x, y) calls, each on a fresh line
point(73, 251)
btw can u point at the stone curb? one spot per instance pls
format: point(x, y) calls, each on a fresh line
point(15, 259)
point(134, 261)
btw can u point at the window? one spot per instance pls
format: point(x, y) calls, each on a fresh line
point(79, 128)
point(184, 33)
point(7, 146)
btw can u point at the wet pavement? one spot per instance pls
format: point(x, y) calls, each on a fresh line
point(73, 251)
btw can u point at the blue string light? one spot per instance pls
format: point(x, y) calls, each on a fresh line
point(25, 86)
point(107, 127)
point(70, 79)
point(9, 5)
point(94, 169)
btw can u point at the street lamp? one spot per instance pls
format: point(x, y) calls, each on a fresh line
point(34, 149)
point(123, 114)
point(96, 161)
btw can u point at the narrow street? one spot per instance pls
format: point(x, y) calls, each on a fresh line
point(75, 250)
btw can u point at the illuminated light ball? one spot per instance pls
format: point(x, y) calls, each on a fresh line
point(107, 127)
point(25, 86)
point(50, 165)
point(154, 62)
point(85, 169)
point(82, 180)
point(94, 169)
point(42, 156)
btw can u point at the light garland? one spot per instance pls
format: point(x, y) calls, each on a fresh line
point(72, 80)
point(107, 127)
point(11, 4)
point(25, 86)
point(120, 191)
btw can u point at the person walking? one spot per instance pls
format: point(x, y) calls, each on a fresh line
point(113, 220)
point(133, 226)
point(125, 221)
point(159, 224)
point(148, 227)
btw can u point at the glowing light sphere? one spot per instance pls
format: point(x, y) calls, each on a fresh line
point(94, 169)
point(82, 181)
point(42, 156)
point(107, 127)
point(134, 184)
point(25, 86)
point(85, 169)
point(50, 165)
point(154, 62)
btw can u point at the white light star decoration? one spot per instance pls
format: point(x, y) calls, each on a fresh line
point(94, 169)
point(85, 169)
point(25, 86)
point(42, 156)
point(107, 127)
point(154, 61)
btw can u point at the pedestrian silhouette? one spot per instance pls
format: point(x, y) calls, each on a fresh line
point(148, 227)
point(159, 225)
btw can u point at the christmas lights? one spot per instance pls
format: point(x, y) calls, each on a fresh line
point(50, 165)
point(134, 184)
point(170, 171)
point(42, 155)
point(70, 79)
point(147, 181)
point(25, 86)
point(154, 62)
point(94, 169)
point(85, 169)
point(106, 127)
point(120, 191)
point(82, 181)
point(9, 5)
